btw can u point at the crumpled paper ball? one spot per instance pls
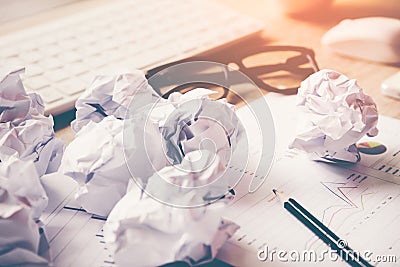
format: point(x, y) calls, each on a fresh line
point(22, 200)
point(112, 95)
point(192, 121)
point(198, 180)
point(95, 159)
point(119, 140)
point(21, 180)
point(22, 242)
point(334, 114)
point(140, 225)
point(24, 130)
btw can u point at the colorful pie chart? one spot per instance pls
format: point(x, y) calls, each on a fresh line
point(371, 148)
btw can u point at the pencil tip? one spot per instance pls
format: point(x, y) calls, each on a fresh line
point(274, 191)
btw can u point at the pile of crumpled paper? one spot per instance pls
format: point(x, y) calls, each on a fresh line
point(153, 166)
point(142, 160)
point(28, 150)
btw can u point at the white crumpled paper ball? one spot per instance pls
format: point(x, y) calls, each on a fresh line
point(198, 180)
point(95, 159)
point(192, 121)
point(124, 130)
point(140, 226)
point(24, 130)
point(113, 95)
point(20, 242)
point(334, 114)
point(20, 179)
point(22, 200)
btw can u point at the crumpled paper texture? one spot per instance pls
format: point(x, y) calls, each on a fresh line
point(24, 130)
point(126, 105)
point(22, 181)
point(197, 180)
point(22, 200)
point(124, 130)
point(112, 95)
point(95, 159)
point(334, 114)
point(187, 120)
point(140, 225)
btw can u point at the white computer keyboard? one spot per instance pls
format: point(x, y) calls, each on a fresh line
point(63, 56)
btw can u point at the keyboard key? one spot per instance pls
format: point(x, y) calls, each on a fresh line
point(87, 77)
point(77, 68)
point(27, 45)
point(46, 39)
point(36, 82)
point(112, 55)
point(49, 94)
point(69, 44)
point(8, 51)
point(86, 51)
point(95, 61)
point(155, 56)
point(31, 56)
point(57, 75)
point(51, 49)
point(14, 62)
point(83, 30)
point(71, 86)
point(70, 56)
point(51, 63)
point(33, 70)
point(88, 38)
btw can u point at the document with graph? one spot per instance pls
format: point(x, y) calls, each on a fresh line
point(359, 202)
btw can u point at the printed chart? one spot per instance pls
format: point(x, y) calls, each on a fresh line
point(358, 207)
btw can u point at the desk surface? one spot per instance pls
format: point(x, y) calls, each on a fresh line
point(301, 30)
point(280, 29)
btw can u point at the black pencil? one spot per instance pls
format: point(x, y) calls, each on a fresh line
point(323, 232)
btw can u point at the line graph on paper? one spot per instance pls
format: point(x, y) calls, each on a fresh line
point(357, 207)
point(361, 198)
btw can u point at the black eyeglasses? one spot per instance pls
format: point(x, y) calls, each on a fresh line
point(278, 69)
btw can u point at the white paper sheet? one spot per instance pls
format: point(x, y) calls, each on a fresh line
point(75, 232)
point(343, 198)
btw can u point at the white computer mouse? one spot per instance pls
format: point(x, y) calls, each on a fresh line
point(372, 38)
